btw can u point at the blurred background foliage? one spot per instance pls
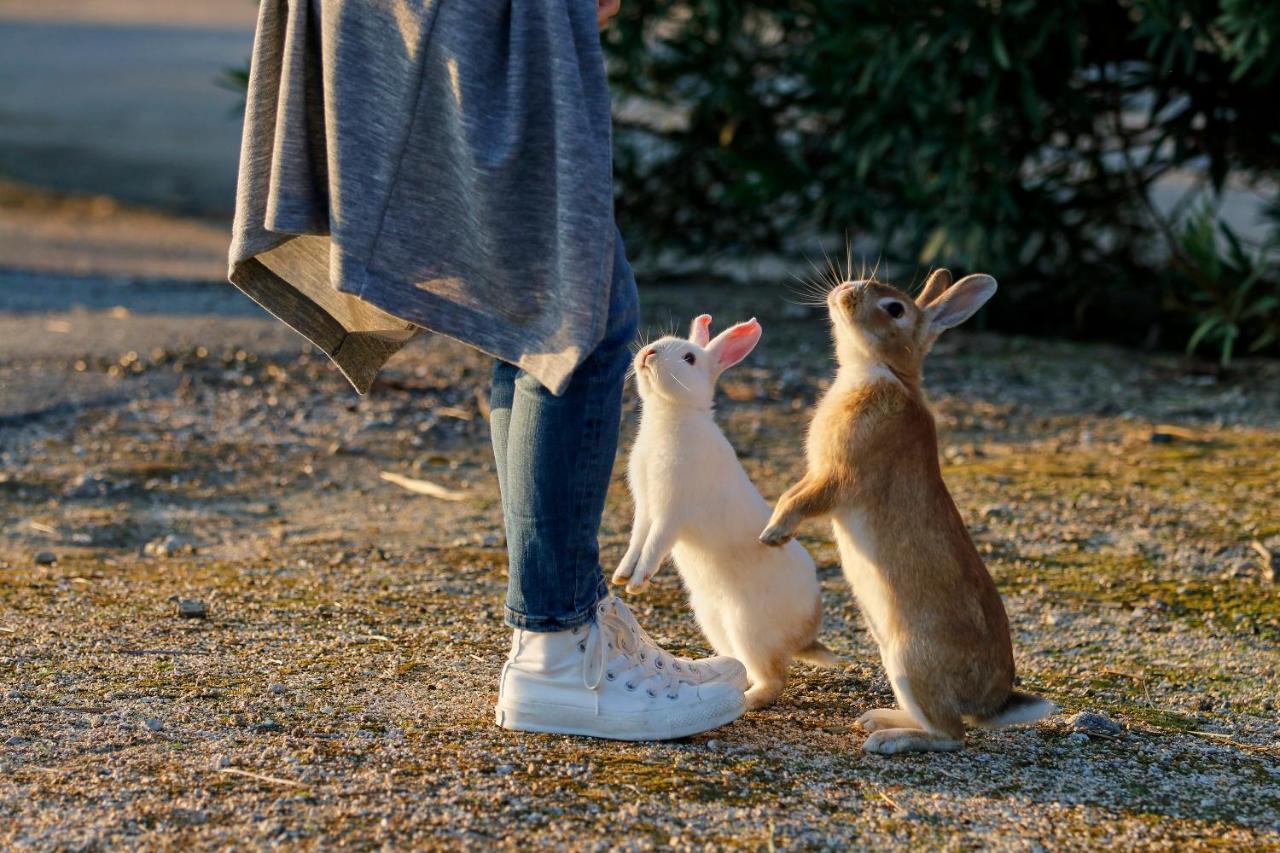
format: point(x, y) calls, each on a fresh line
point(1076, 149)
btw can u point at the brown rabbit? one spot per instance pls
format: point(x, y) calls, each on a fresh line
point(873, 467)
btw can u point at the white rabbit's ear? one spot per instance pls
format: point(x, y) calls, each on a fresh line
point(934, 287)
point(700, 331)
point(732, 345)
point(961, 301)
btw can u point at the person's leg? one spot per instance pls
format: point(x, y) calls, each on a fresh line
point(555, 458)
point(579, 663)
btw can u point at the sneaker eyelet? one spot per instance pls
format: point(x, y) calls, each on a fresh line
point(652, 695)
point(642, 657)
point(582, 647)
point(630, 686)
point(658, 664)
point(610, 676)
point(672, 696)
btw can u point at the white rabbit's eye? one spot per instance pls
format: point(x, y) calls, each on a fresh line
point(895, 309)
point(690, 358)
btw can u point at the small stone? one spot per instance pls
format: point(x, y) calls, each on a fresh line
point(504, 769)
point(276, 688)
point(1093, 722)
point(222, 761)
point(268, 726)
point(153, 725)
point(14, 741)
point(46, 558)
point(87, 485)
point(996, 511)
point(190, 608)
point(167, 546)
point(1077, 738)
point(713, 744)
point(14, 694)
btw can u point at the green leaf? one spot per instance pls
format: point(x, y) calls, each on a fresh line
point(1264, 340)
point(934, 248)
point(1207, 326)
point(998, 51)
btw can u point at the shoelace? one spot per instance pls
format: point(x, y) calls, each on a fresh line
point(662, 659)
point(616, 630)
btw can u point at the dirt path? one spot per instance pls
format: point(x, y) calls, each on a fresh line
point(340, 689)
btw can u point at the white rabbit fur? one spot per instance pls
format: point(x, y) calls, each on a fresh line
point(693, 500)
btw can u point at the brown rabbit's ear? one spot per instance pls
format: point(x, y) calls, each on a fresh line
point(700, 331)
point(961, 301)
point(934, 287)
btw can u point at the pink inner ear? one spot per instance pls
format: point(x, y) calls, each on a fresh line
point(737, 342)
point(701, 330)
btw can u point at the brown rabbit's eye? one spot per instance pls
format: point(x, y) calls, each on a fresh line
point(895, 309)
point(689, 357)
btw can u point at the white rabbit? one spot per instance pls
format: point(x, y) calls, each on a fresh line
point(693, 500)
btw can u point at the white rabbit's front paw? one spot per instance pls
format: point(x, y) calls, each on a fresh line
point(639, 581)
point(626, 568)
point(776, 535)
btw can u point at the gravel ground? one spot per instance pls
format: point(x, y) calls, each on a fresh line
point(338, 690)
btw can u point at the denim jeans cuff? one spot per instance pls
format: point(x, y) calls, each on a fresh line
point(547, 624)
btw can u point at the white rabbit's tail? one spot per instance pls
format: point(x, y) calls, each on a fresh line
point(816, 654)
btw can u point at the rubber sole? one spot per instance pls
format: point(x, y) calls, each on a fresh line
point(555, 719)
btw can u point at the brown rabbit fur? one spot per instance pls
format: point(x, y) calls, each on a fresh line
point(873, 467)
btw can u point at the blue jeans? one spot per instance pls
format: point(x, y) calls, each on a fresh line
point(555, 458)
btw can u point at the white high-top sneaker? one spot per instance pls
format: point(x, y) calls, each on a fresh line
point(718, 668)
point(604, 680)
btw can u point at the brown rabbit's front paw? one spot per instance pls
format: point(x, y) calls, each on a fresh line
point(777, 535)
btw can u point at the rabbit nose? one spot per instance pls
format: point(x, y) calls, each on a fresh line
point(646, 356)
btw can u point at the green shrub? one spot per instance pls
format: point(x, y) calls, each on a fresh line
point(1233, 295)
point(1018, 137)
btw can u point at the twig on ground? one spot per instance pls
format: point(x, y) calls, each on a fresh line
point(275, 780)
point(888, 799)
point(73, 709)
point(1270, 569)
point(1227, 739)
point(140, 652)
point(1180, 433)
point(423, 487)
